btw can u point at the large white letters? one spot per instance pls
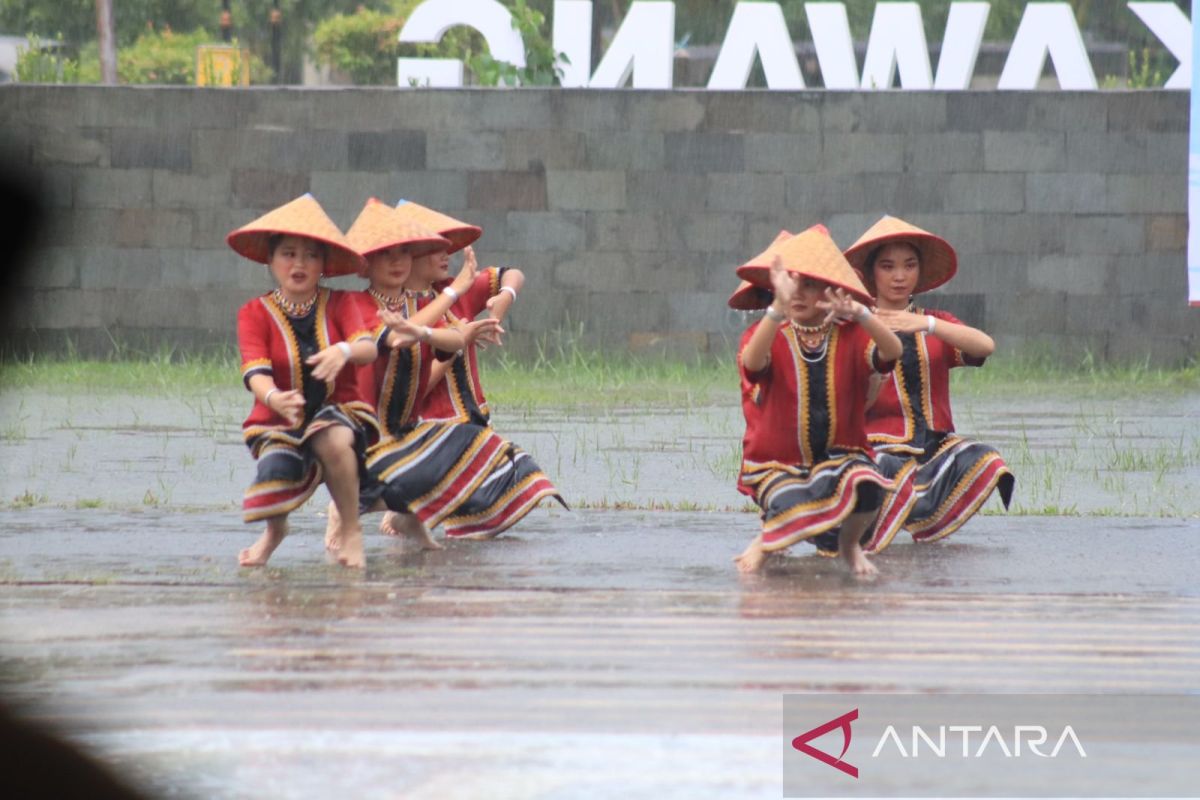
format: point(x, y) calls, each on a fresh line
point(897, 40)
point(573, 38)
point(1047, 29)
point(430, 21)
point(643, 48)
point(1172, 27)
point(642, 51)
point(960, 45)
point(757, 28)
point(835, 49)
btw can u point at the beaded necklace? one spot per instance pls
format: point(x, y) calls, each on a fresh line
point(390, 303)
point(818, 353)
point(294, 309)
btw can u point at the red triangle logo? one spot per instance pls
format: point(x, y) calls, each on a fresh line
point(801, 743)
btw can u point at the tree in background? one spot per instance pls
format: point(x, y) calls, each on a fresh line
point(251, 24)
point(160, 57)
point(363, 47)
point(75, 20)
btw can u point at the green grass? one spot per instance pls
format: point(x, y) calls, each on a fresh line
point(569, 376)
point(560, 373)
point(160, 373)
point(1034, 372)
point(563, 377)
point(28, 499)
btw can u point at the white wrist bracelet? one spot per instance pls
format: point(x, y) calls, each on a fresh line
point(931, 324)
point(449, 292)
point(864, 315)
point(774, 315)
point(426, 333)
point(345, 348)
point(267, 399)
point(510, 290)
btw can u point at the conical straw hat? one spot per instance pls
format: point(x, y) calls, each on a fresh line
point(379, 227)
point(939, 262)
point(749, 297)
point(813, 254)
point(301, 217)
point(458, 232)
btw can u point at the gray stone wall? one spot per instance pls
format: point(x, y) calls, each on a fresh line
point(626, 210)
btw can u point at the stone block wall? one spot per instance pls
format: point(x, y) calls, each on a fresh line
point(627, 210)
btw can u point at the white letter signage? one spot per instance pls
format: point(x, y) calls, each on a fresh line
point(757, 28)
point(1047, 29)
point(429, 22)
point(642, 51)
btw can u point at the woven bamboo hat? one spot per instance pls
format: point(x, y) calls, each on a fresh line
point(458, 232)
point(939, 262)
point(748, 296)
point(379, 227)
point(301, 217)
point(813, 254)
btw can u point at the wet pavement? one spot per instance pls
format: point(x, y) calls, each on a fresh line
point(595, 653)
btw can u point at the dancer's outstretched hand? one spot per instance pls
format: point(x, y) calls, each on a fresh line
point(402, 333)
point(466, 276)
point(289, 405)
point(327, 363)
point(839, 305)
point(900, 321)
point(484, 332)
point(784, 283)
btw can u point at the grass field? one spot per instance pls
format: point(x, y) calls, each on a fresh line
point(572, 377)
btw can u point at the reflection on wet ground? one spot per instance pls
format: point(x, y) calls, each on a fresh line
point(590, 654)
point(532, 661)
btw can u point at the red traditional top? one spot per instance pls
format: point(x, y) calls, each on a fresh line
point(273, 343)
point(394, 383)
point(801, 407)
point(917, 398)
point(459, 397)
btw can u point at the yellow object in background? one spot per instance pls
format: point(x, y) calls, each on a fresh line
point(222, 65)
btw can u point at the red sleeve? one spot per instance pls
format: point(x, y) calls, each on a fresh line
point(487, 283)
point(764, 374)
point(347, 317)
point(368, 310)
point(952, 355)
point(870, 352)
point(443, 355)
point(877, 363)
point(254, 341)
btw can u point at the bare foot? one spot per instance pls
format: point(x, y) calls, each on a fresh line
point(411, 527)
point(350, 547)
point(257, 554)
point(850, 544)
point(390, 524)
point(752, 557)
point(331, 527)
point(858, 562)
